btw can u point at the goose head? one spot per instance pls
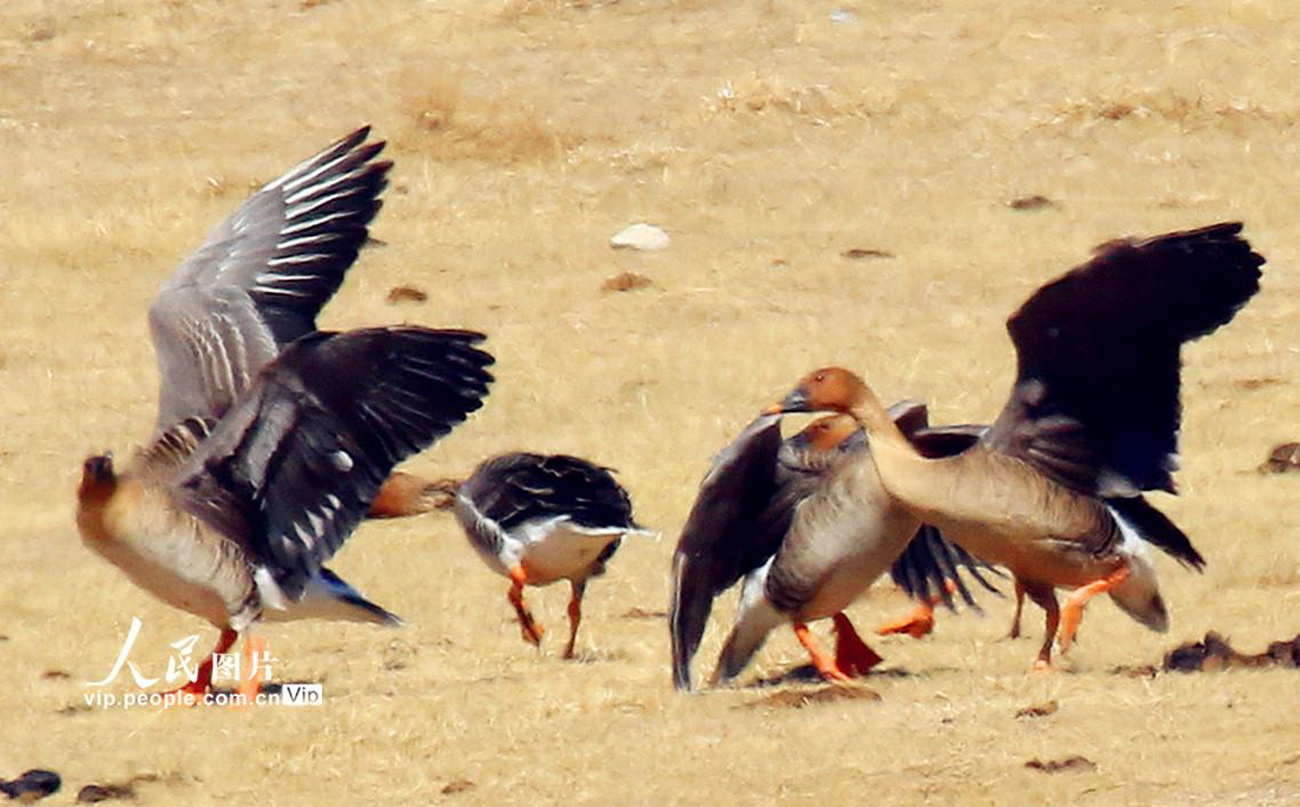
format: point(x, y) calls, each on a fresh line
point(836, 432)
point(98, 470)
point(830, 389)
point(98, 482)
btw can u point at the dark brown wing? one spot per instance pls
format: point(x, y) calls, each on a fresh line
point(929, 561)
point(1096, 400)
point(261, 277)
point(726, 535)
point(1156, 528)
point(291, 470)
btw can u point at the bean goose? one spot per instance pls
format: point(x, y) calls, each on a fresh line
point(744, 515)
point(1053, 489)
point(537, 519)
point(272, 438)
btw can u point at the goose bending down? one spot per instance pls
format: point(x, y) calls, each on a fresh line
point(745, 515)
point(240, 359)
point(537, 519)
point(1053, 489)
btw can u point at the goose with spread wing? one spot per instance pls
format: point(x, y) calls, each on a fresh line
point(272, 438)
point(747, 518)
point(1053, 490)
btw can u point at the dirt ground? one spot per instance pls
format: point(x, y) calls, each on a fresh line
point(769, 138)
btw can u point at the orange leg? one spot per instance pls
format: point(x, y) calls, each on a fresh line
point(852, 655)
point(575, 614)
point(202, 682)
point(1020, 606)
point(1078, 599)
point(531, 630)
point(921, 621)
point(825, 665)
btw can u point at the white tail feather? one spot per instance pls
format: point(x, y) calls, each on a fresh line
point(1139, 594)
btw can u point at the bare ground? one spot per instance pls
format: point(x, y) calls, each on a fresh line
point(769, 139)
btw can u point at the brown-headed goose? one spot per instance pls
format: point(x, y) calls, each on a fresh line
point(1053, 489)
point(272, 438)
point(537, 519)
point(745, 516)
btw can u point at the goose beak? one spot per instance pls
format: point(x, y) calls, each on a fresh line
point(796, 401)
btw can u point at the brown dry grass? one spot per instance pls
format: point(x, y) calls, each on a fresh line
point(769, 140)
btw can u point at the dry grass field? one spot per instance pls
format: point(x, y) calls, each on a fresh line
point(769, 138)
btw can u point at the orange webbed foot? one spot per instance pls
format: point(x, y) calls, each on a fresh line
point(916, 624)
point(1072, 610)
point(253, 667)
point(853, 656)
point(825, 665)
point(191, 694)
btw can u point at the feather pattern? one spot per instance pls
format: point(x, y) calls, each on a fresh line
point(523, 496)
point(291, 470)
point(261, 277)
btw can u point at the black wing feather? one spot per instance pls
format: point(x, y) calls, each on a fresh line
point(291, 470)
point(1096, 400)
point(1156, 528)
point(515, 488)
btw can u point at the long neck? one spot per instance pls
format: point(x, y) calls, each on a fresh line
point(92, 496)
point(909, 478)
point(879, 425)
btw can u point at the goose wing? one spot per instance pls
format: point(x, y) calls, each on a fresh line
point(1096, 405)
point(291, 469)
point(518, 487)
point(731, 530)
point(260, 278)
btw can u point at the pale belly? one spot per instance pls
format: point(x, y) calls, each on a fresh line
point(563, 552)
point(840, 542)
point(177, 561)
point(162, 581)
point(847, 580)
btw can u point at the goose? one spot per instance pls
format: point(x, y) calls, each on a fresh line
point(744, 514)
point(232, 519)
point(235, 307)
point(1053, 489)
point(540, 518)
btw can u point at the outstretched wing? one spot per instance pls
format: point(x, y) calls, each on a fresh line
point(291, 470)
point(726, 535)
point(1096, 400)
point(261, 277)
